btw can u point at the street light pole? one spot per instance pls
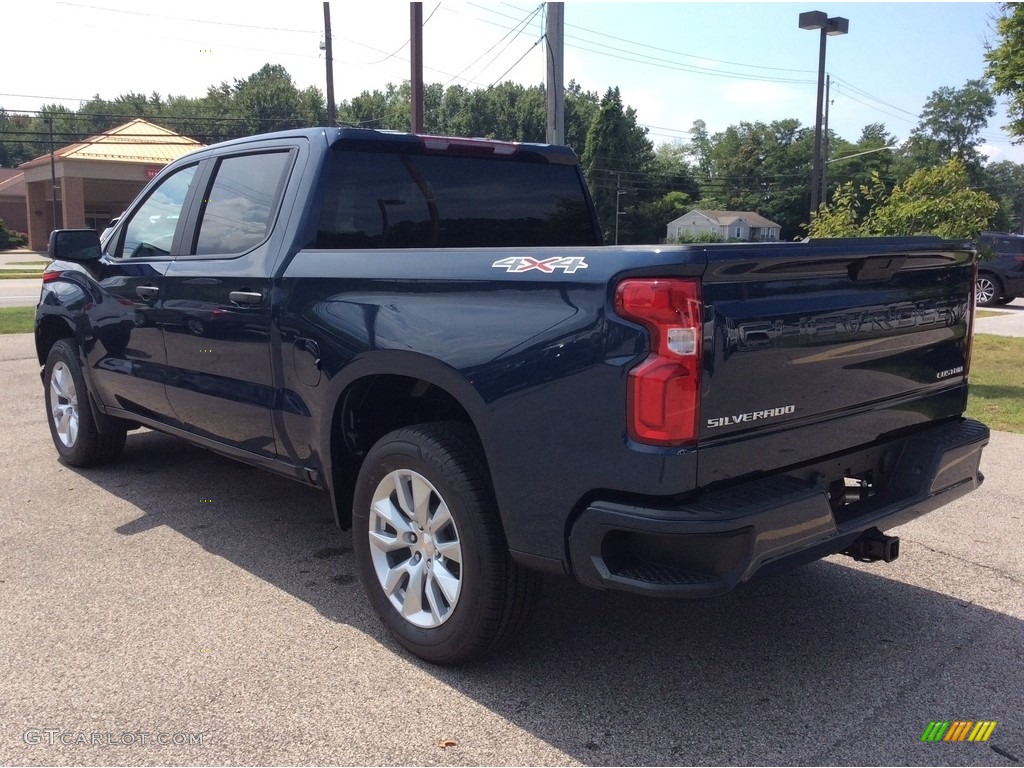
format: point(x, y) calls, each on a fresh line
point(830, 27)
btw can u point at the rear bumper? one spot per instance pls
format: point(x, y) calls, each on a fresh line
point(708, 546)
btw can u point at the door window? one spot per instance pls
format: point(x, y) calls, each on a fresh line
point(240, 208)
point(150, 230)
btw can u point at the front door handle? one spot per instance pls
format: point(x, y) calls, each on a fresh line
point(246, 298)
point(147, 292)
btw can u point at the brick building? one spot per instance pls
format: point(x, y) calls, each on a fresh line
point(96, 178)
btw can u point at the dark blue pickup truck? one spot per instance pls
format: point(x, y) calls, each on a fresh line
point(430, 330)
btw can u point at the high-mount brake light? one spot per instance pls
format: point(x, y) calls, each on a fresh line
point(478, 147)
point(664, 390)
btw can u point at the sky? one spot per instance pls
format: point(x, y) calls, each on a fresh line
point(674, 62)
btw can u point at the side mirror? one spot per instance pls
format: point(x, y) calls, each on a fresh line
point(74, 245)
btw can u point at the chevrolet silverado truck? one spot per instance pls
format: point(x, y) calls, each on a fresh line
point(430, 330)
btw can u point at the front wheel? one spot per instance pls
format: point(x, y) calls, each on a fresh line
point(430, 548)
point(72, 427)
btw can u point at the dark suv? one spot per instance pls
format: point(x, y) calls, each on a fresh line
point(1000, 268)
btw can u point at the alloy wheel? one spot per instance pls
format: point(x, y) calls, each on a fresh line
point(415, 548)
point(64, 404)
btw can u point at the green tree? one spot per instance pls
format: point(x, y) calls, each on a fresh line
point(761, 167)
point(16, 139)
point(874, 153)
point(1004, 181)
point(1006, 64)
point(951, 124)
point(616, 161)
point(267, 100)
point(580, 109)
point(933, 201)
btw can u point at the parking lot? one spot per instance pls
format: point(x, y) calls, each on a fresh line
point(179, 608)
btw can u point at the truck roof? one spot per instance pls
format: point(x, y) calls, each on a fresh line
point(370, 139)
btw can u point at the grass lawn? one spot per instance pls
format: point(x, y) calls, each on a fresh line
point(997, 382)
point(19, 274)
point(17, 319)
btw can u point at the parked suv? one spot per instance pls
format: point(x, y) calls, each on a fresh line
point(1000, 268)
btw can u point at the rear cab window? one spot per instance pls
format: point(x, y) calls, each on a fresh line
point(406, 197)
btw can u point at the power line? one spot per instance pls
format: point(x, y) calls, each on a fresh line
point(518, 29)
point(189, 20)
point(669, 64)
point(525, 54)
point(403, 45)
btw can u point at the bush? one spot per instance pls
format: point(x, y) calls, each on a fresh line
point(698, 237)
point(9, 238)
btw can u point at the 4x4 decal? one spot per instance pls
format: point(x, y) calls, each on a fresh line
point(525, 263)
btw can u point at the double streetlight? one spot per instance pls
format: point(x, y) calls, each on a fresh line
point(830, 27)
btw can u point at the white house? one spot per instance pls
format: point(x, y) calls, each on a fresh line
point(729, 225)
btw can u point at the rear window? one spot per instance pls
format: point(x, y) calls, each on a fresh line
point(392, 200)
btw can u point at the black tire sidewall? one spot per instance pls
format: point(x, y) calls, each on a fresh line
point(466, 631)
point(91, 447)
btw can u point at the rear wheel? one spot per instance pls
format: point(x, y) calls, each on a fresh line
point(431, 551)
point(987, 290)
point(72, 427)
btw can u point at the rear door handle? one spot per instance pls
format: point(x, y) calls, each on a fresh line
point(245, 298)
point(147, 292)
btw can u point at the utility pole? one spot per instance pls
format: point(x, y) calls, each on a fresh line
point(619, 192)
point(555, 37)
point(53, 174)
point(416, 60)
point(332, 113)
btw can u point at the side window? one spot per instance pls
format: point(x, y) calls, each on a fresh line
point(242, 202)
point(150, 230)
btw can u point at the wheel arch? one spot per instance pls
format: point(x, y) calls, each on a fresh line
point(48, 331)
point(381, 392)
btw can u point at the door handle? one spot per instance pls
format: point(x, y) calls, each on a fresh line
point(245, 298)
point(147, 292)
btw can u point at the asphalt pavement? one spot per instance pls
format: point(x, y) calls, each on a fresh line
point(178, 608)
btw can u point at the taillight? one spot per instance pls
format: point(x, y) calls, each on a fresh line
point(49, 277)
point(664, 390)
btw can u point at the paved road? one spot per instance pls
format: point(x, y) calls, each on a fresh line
point(178, 593)
point(19, 293)
point(1009, 322)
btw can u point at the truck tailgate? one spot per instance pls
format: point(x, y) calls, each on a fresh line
point(815, 348)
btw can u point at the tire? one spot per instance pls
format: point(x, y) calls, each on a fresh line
point(430, 548)
point(72, 426)
point(987, 290)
